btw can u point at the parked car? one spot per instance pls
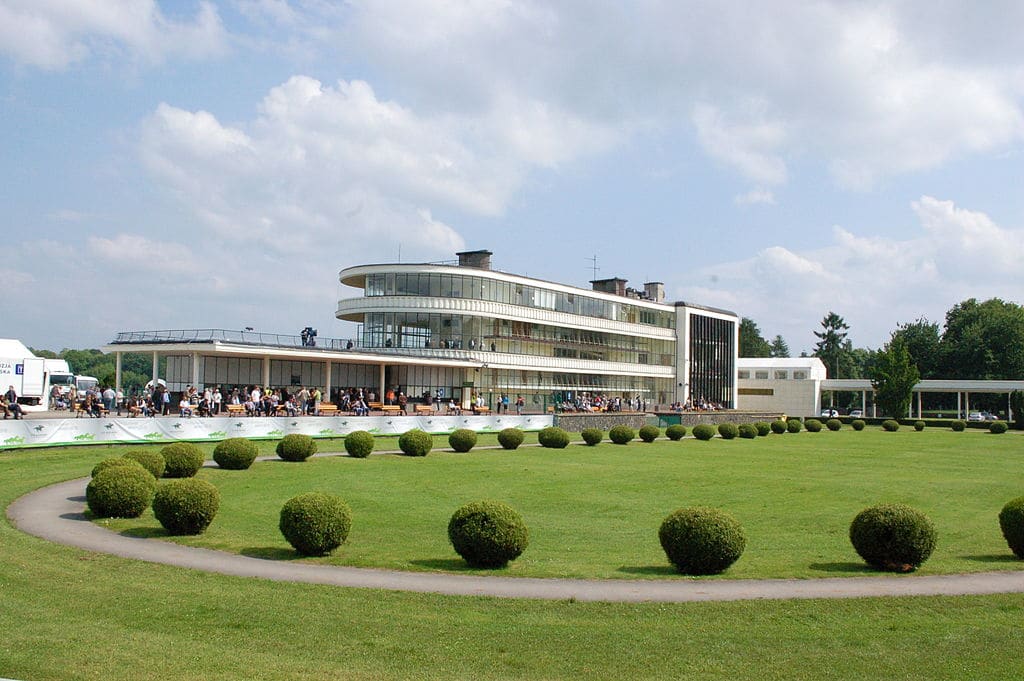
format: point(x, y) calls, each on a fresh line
point(975, 416)
point(856, 414)
point(988, 416)
point(829, 413)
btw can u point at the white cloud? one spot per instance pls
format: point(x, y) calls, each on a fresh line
point(874, 282)
point(136, 253)
point(750, 146)
point(51, 34)
point(755, 196)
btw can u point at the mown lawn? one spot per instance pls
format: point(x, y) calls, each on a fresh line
point(69, 614)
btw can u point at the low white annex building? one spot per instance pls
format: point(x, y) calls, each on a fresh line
point(791, 385)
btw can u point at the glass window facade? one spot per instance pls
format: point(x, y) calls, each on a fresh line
point(713, 359)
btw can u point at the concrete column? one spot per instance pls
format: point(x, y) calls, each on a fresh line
point(383, 388)
point(195, 370)
point(327, 381)
point(967, 403)
point(864, 402)
point(156, 368)
point(919, 404)
point(266, 372)
point(117, 371)
point(959, 407)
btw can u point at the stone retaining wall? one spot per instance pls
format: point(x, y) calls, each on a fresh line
point(574, 423)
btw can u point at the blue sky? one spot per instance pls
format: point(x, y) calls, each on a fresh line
point(199, 164)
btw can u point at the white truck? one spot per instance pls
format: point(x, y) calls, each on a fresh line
point(32, 377)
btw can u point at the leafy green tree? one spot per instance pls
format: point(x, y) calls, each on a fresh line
point(894, 378)
point(984, 340)
point(924, 343)
point(779, 348)
point(1017, 407)
point(832, 344)
point(751, 342)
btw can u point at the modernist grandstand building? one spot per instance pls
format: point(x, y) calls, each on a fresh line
point(464, 329)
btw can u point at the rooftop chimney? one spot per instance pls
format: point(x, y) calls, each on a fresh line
point(613, 285)
point(478, 259)
point(655, 290)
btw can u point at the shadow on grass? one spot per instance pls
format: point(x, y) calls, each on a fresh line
point(271, 553)
point(842, 567)
point(446, 564)
point(994, 558)
point(144, 532)
point(661, 570)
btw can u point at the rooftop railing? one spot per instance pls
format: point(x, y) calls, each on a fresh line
point(230, 336)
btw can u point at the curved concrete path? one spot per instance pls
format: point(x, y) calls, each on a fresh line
point(56, 513)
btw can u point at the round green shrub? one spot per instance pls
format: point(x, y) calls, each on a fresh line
point(890, 425)
point(150, 460)
point(621, 435)
point(793, 425)
point(763, 428)
point(893, 537)
point(728, 431)
point(359, 444)
point(649, 433)
point(186, 506)
point(675, 432)
point(120, 492)
point(234, 454)
point(958, 425)
point(778, 426)
point(748, 431)
point(702, 541)
point(462, 440)
point(315, 523)
point(919, 426)
point(114, 462)
point(858, 424)
point(834, 424)
point(703, 431)
point(296, 447)
point(488, 534)
point(510, 438)
point(592, 436)
point(553, 437)
point(813, 425)
point(182, 460)
point(415, 442)
point(1011, 522)
point(997, 427)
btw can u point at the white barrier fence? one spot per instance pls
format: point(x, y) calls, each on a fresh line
point(60, 432)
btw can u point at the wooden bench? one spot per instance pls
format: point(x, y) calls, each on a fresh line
point(392, 409)
point(423, 409)
point(79, 410)
point(236, 409)
point(328, 409)
point(481, 410)
point(375, 406)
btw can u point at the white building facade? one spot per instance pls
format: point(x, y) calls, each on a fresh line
point(788, 385)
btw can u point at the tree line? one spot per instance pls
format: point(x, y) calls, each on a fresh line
point(136, 368)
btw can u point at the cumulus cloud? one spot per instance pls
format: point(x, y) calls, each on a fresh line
point(52, 34)
point(874, 282)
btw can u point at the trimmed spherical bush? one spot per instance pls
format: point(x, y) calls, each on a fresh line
point(296, 447)
point(315, 523)
point(488, 534)
point(794, 425)
point(592, 436)
point(834, 424)
point(858, 424)
point(510, 438)
point(462, 440)
point(778, 426)
point(1011, 522)
point(728, 431)
point(701, 540)
point(958, 426)
point(763, 428)
point(893, 537)
point(183, 460)
point(747, 431)
point(703, 431)
point(553, 437)
point(675, 432)
point(649, 433)
point(415, 442)
point(359, 444)
point(114, 462)
point(997, 427)
point(890, 425)
point(621, 435)
point(813, 425)
point(150, 460)
point(120, 492)
point(186, 506)
point(235, 454)
point(919, 426)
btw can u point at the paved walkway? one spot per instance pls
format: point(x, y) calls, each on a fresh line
point(56, 513)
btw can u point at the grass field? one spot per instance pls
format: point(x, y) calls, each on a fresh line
point(70, 614)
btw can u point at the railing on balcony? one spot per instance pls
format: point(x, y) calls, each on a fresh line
point(230, 336)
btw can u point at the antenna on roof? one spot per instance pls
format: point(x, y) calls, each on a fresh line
point(593, 265)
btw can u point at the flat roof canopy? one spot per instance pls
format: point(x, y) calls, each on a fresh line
point(930, 386)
